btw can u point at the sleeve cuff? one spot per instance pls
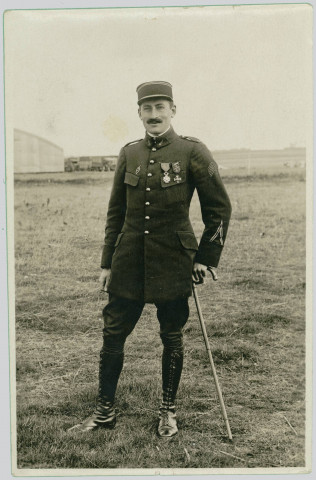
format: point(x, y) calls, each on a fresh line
point(209, 255)
point(107, 254)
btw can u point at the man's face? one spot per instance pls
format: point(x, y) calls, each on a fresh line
point(156, 115)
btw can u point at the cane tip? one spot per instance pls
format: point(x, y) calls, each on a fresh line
point(228, 439)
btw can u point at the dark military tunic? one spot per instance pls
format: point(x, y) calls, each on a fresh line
point(149, 242)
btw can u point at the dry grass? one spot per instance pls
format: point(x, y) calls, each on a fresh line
point(254, 315)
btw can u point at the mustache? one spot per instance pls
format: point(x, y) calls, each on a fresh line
point(153, 121)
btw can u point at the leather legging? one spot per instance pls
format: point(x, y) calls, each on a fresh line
point(120, 317)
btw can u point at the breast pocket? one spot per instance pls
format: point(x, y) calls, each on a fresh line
point(131, 179)
point(174, 187)
point(170, 179)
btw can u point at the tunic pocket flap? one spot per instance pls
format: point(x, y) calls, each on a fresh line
point(188, 240)
point(131, 179)
point(172, 180)
point(120, 235)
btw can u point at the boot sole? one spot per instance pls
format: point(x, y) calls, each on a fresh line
point(167, 436)
point(105, 426)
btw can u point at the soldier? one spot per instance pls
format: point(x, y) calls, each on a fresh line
point(150, 252)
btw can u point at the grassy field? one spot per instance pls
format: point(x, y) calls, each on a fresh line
point(255, 317)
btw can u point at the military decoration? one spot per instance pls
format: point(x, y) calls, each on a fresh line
point(137, 170)
point(212, 167)
point(176, 167)
point(219, 232)
point(165, 168)
point(166, 177)
point(177, 179)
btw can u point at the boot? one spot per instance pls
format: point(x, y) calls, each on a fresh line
point(167, 423)
point(110, 367)
point(172, 361)
point(103, 416)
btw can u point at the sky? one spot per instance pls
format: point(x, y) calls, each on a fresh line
point(241, 76)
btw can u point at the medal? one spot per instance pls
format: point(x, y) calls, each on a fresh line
point(166, 177)
point(165, 167)
point(177, 179)
point(176, 167)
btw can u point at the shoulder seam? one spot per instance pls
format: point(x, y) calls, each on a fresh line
point(133, 142)
point(191, 139)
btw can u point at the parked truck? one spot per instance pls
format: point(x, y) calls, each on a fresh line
point(71, 164)
point(85, 163)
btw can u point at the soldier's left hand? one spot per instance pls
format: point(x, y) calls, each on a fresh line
point(199, 272)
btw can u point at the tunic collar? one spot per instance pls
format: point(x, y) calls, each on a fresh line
point(161, 140)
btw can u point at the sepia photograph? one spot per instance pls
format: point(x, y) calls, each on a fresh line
point(159, 220)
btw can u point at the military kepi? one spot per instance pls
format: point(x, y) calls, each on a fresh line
point(150, 90)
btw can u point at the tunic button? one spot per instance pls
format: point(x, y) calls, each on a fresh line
point(152, 161)
point(147, 189)
point(147, 218)
point(149, 174)
point(154, 149)
point(147, 203)
point(146, 232)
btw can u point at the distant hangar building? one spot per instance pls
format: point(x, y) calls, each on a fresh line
point(33, 154)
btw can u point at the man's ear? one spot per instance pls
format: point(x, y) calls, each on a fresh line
point(174, 110)
point(139, 113)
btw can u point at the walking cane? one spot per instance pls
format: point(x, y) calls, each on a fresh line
point(208, 348)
